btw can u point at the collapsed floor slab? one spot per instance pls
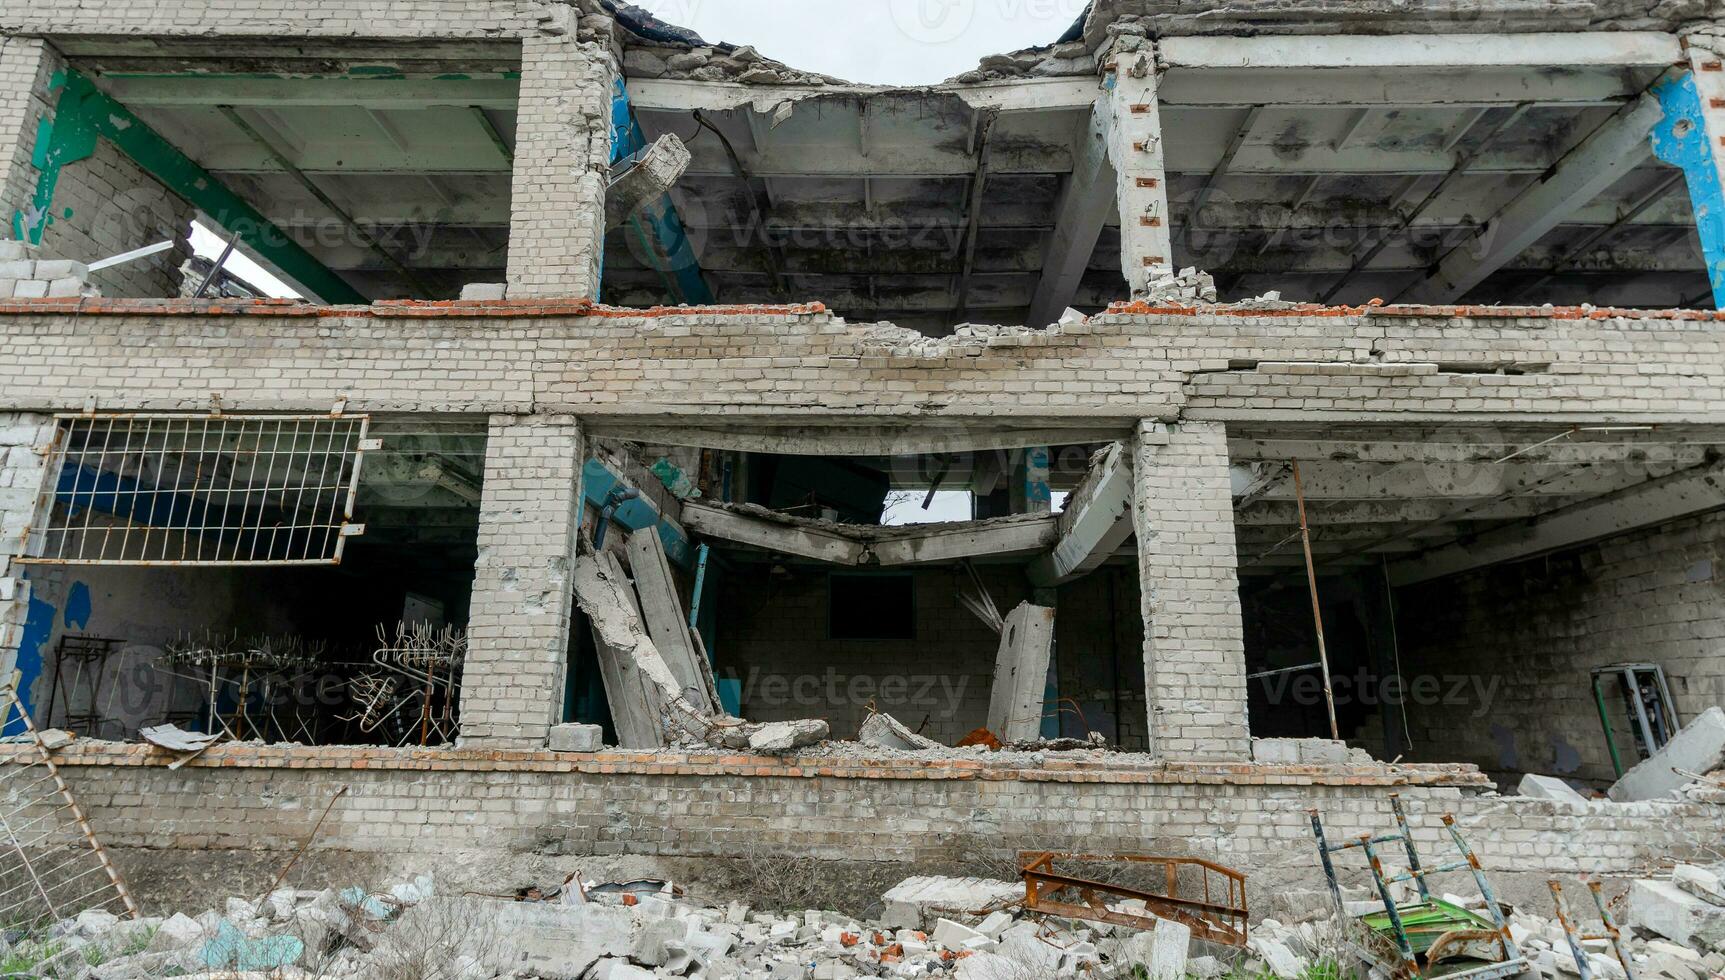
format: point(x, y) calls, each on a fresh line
point(648, 691)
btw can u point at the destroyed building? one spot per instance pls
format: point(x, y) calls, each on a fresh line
point(1231, 409)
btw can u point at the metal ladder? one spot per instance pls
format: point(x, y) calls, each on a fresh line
point(1513, 961)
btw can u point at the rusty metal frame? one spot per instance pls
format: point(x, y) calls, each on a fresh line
point(1576, 937)
point(1217, 919)
point(330, 446)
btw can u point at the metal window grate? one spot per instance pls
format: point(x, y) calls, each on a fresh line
point(141, 489)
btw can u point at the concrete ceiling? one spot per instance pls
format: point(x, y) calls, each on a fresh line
point(413, 144)
point(1301, 174)
point(1430, 501)
point(1345, 182)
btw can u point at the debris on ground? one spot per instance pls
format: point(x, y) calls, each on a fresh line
point(887, 732)
point(959, 928)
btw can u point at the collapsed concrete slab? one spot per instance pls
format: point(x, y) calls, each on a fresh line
point(920, 902)
point(633, 698)
point(1698, 748)
point(603, 592)
point(1017, 699)
point(666, 622)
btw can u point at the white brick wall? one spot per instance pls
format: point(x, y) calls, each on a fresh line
point(1194, 653)
point(518, 626)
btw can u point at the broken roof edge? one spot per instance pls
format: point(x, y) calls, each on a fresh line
point(657, 49)
point(576, 308)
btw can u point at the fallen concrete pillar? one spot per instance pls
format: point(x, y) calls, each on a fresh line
point(604, 595)
point(666, 622)
point(1698, 748)
point(1016, 700)
point(654, 172)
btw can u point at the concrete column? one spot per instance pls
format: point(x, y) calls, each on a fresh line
point(1136, 149)
point(518, 630)
point(562, 158)
point(1194, 654)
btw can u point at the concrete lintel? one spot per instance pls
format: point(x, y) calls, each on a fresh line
point(855, 440)
point(1654, 502)
point(1094, 526)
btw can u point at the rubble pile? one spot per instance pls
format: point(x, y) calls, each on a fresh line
point(587, 931)
point(962, 928)
point(1188, 287)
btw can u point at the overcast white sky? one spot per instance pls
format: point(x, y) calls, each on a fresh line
point(887, 42)
point(884, 42)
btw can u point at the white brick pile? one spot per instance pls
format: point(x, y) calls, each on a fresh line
point(24, 276)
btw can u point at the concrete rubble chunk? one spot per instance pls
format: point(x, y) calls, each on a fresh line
point(577, 738)
point(916, 903)
point(1280, 960)
point(1663, 908)
point(1698, 748)
point(650, 175)
point(885, 731)
point(1539, 787)
point(476, 291)
point(1703, 883)
point(1161, 951)
point(1300, 751)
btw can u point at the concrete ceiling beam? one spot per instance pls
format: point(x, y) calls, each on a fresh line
point(1087, 205)
point(1601, 160)
point(382, 92)
point(1648, 504)
point(1327, 480)
point(1482, 444)
point(1284, 513)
